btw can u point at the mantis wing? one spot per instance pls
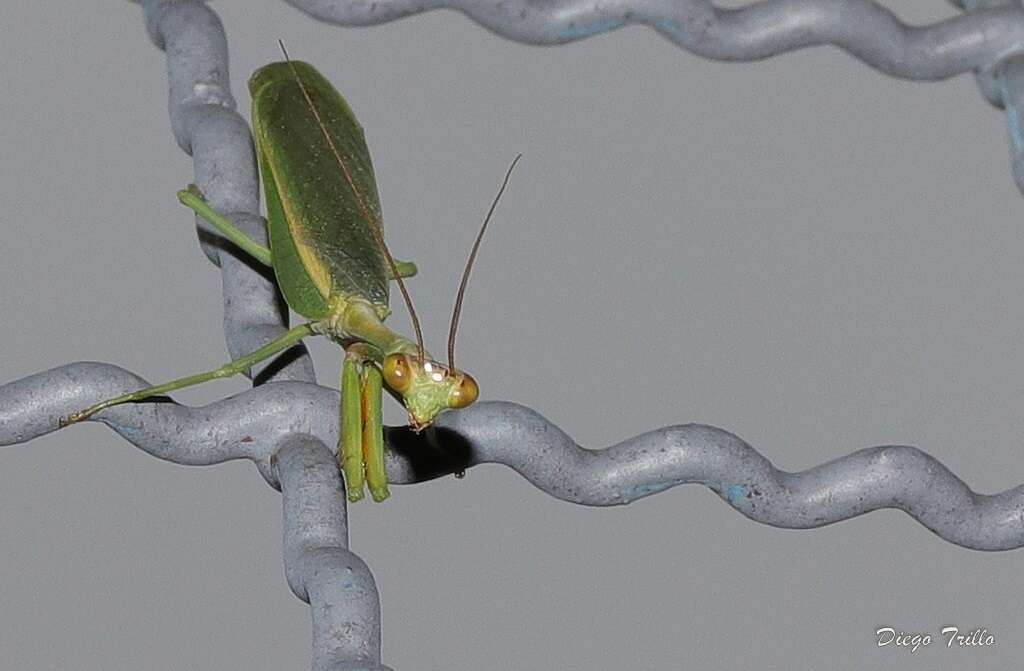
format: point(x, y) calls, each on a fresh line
point(325, 218)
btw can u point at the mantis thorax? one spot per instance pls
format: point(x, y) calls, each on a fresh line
point(425, 386)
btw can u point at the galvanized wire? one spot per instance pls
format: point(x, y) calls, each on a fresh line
point(320, 568)
point(865, 29)
point(284, 427)
point(207, 127)
point(254, 424)
point(985, 40)
point(346, 624)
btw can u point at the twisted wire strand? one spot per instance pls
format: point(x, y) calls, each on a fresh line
point(346, 623)
point(252, 424)
point(320, 569)
point(986, 40)
point(865, 29)
point(289, 422)
point(206, 126)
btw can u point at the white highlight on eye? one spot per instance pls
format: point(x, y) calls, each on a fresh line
point(437, 377)
point(427, 366)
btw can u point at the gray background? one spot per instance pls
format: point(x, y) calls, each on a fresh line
point(801, 250)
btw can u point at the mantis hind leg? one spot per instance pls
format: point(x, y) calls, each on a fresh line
point(237, 366)
point(373, 432)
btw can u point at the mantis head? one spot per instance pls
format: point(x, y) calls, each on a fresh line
point(427, 387)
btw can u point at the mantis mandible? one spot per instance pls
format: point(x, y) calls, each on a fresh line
point(328, 254)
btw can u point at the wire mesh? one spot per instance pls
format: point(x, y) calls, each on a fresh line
point(205, 125)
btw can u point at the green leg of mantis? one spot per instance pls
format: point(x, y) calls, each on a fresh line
point(405, 269)
point(350, 448)
point(373, 432)
point(237, 366)
point(193, 199)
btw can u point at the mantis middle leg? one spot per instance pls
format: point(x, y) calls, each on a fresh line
point(193, 199)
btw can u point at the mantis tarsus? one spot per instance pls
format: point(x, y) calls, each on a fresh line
point(328, 253)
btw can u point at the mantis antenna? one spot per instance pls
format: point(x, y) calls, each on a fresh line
point(457, 311)
point(377, 234)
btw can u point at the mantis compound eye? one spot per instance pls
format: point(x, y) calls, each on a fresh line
point(397, 373)
point(464, 393)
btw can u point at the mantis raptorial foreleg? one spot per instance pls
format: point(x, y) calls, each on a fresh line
point(237, 366)
point(350, 441)
point(361, 442)
point(373, 432)
point(193, 199)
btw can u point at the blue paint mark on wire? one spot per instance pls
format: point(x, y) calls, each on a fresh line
point(1012, 118)
point(644, 490)
point(735, 493)
point(120, 428)
point(671, 27)
point(573, 32)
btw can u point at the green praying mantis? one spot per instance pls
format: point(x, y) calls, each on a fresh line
point(333, 267)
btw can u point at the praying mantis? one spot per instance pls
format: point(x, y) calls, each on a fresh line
point(333, 267)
